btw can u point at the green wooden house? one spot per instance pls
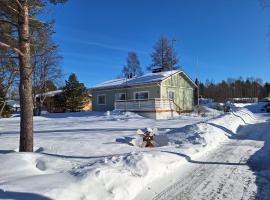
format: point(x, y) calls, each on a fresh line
point(158, 95)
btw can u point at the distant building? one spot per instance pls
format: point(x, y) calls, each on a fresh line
point(54, 102)
point(157, 95)
point(14, 105)
point(244, 100)
point(267, 99)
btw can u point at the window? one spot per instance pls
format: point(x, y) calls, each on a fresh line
point(171, 95)
point(120, 96)
point(101, 99)
point(141, 95)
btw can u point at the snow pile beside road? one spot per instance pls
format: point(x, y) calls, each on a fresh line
point(120, 177)
point(211, 133)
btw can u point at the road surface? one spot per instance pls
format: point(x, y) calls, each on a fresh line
point(238, 170)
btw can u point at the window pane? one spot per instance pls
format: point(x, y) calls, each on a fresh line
point(141, 95)
point(122, 96)
point(144, 95)
point(101, 99)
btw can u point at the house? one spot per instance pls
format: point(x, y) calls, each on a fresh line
point(156, 95)
point(54, 102)
point(14, 105)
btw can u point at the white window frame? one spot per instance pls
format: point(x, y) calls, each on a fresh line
point(134, 94)
point(118, 94)
point(98, 99)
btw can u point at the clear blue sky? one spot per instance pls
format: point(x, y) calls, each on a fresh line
point(229, 37)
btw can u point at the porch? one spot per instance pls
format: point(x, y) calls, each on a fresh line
point(147, 105)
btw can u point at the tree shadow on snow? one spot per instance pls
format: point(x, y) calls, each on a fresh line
point(124, 140)
point(80, 157)
point(73, 114)
point(106, 130)
point(6, 151)
point(21, 196)
point(188, 158)
point(259, 162)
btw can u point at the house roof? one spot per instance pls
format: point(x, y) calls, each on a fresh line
point(141, 80)
point(50, 94)
point(13, 103)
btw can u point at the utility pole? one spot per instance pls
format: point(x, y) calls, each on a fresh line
point(198, 86)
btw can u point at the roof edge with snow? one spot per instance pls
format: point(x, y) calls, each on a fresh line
point(147, 79)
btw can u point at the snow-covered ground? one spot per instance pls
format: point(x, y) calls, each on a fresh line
point(91, 156)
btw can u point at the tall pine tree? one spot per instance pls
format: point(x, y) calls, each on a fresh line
point(164, 56)
point(133, 67)
point(75, 94)
point(18, 18)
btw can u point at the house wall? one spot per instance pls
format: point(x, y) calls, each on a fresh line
point(154, 92)
point(183, 89)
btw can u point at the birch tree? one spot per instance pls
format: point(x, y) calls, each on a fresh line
point(133, 67)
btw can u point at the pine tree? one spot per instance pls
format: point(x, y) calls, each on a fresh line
point(132, 68)
point(164, 56)
point(18, 19)
point(5, 109)
point(75, 94)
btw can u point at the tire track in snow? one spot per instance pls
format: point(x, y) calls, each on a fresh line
point(217, 181)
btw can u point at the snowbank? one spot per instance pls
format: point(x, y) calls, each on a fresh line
point(120, 177)
point(117, 177)
point(212, 132)
point(80, 157)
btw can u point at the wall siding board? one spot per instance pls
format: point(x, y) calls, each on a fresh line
point(183, 91)
point(154, 92)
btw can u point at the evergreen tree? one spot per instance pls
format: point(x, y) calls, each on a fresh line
point(164, 56)
point(18, 19)
point(5, 109)
point(133, 67)
point(75, 94)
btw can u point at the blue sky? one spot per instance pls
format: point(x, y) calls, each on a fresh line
point(216, 39)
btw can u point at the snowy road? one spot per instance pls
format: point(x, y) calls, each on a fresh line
point(239, 169)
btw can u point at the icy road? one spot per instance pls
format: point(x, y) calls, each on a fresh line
point(239, 169)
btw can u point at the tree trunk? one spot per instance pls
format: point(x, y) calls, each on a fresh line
point(2, 108)
point(26, 101)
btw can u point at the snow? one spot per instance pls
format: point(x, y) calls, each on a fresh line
point(147, 78)
point(50, 94)
point(13, 103)
point(93, 155)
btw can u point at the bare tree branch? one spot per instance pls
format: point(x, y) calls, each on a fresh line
point(19, 4)
point(11, 47)
point(37, 20)
point(9, 22)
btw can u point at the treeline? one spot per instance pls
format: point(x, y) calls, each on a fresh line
point(234, 88)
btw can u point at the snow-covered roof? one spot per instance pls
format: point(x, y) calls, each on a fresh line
point(50, 94)
point(13, 103)
point(141, 80)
